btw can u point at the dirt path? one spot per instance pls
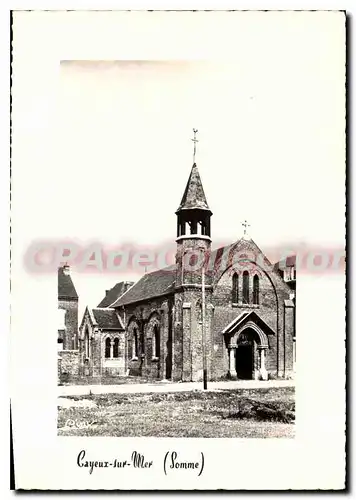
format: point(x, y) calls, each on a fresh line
point(83, 390)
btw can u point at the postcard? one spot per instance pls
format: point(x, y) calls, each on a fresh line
point(178, 250)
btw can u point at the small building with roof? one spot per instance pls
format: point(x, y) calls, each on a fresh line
point(67, 339)
point(67, 310)
point(102, 343)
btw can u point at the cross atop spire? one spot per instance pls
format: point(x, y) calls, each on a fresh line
point(195, 140)
point(245, 225)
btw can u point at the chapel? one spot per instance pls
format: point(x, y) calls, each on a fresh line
point(216, 313)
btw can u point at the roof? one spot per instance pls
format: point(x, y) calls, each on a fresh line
point(194, 196)
point(157, 283)
point(289, 261)
point(107, 319)
point(66, 288)
point(151, 285)
point(161, 282)
point(248, 316)
point(115, 292)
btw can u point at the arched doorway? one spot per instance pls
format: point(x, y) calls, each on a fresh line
point(247, 343)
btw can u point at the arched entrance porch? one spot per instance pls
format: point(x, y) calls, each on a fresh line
point(247, 353)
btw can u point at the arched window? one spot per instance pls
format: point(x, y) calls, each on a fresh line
point(107, 348)
point(86, 343)
point(245, 288)
point(142, 344)
point(116, 348)
point(235, 288)
point(130, 348)
point(256, 290)
point(135, 339)
point(156, 342)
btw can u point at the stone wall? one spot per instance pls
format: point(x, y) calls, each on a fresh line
point(68, 363)
point(188, 334)
point(112, 366)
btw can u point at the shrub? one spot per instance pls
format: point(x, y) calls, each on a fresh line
point(64, 378)
point(277, 411)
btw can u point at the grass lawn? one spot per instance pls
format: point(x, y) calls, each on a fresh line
point(239, 413)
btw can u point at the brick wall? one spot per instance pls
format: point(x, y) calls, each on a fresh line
point(143, 317)
point(179, 318)
point(188, 334)
point(71, 323)
point(186, 248)
point(272, 294)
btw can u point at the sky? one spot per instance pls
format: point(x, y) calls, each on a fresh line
point(270, 119)
point(267, 151)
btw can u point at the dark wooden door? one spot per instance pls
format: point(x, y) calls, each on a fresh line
point(244, 361)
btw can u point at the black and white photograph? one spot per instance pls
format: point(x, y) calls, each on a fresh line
point(215, 316)
point(178, 249)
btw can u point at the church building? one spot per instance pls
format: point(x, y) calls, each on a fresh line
point(217, 313)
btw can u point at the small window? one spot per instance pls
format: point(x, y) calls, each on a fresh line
point(135, 339)
point(245, 288)
point(235, 288)
point(256, 290)
point(107, 348)
point(156, 342)
point(116, 348)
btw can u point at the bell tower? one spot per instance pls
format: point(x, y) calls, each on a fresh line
point(192, 256)
point(193, 231)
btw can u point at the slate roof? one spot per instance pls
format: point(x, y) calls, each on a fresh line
point(151, 285)
point(194, 196)
point(107, 319)
point(115, 292)
point(66, 288)
point(288, 262)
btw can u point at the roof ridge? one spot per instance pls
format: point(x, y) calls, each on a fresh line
point(130, 288)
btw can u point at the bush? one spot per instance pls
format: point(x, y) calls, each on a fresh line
point(64, 378)
point(276, 411)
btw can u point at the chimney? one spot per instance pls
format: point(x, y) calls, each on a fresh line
point(127, 285)
point(66, 270)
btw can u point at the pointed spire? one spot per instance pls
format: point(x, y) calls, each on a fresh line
point(194, 196)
